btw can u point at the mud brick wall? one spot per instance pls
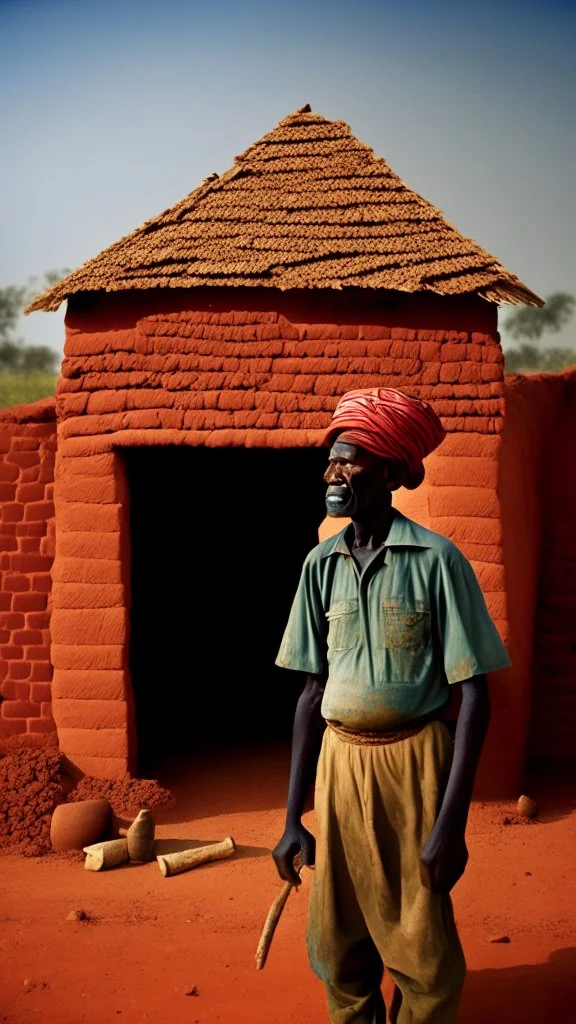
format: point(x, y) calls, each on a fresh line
point(267, 370)
point(243, 367)
point(27, 451)
point(92, 705)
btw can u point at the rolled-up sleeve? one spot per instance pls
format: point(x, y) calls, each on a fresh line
point(303, 647)
point(470, 642)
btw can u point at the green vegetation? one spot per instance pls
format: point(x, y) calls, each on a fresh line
point(530, 323)
point(27, 372)
point(529, 359)
point(21, 388)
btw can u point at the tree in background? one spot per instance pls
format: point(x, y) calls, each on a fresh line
point(532, 323)
point(530, 359)
point(16, 356)
point(27, 372)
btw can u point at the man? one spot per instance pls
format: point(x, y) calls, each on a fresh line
point(387, 617)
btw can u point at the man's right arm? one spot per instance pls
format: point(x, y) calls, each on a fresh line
point(306, 742)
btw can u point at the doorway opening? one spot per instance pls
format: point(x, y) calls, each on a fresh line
point(218, 537)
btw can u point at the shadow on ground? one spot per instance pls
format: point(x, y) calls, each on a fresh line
point(230, 780)
point(529, 994)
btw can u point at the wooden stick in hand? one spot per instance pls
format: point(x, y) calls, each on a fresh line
point(272, 919)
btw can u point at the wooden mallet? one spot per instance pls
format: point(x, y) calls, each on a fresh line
point(273, 917)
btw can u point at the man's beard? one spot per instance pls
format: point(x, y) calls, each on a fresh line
point(341, 501)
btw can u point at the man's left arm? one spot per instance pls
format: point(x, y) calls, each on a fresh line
point(471, 648)
point(445, 855)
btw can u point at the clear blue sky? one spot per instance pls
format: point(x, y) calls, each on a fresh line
point(114, 110)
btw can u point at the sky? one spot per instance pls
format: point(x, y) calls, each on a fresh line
point(113, 110)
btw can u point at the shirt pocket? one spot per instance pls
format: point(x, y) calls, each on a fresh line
point(343, 625)
point(405, 635)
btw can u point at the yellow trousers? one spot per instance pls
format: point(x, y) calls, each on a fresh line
point(375, 807)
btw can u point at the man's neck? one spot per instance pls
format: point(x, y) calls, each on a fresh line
point(370, 532)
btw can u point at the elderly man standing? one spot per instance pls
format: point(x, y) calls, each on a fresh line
point(387, 617)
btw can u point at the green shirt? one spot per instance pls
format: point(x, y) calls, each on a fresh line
point(392, 637)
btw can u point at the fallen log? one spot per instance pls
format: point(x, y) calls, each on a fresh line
point(185, 860)
point(100, 856)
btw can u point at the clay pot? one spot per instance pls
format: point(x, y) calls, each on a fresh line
point(140, 837)
point(79, 824)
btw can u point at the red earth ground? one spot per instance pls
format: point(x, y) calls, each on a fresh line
point(149, 942)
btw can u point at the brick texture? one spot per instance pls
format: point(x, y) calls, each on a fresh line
point(236, 376)
point(27, 454)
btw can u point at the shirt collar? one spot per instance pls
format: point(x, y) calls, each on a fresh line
point(402, 533)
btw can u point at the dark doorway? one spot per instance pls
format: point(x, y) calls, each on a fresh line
point(218, 541)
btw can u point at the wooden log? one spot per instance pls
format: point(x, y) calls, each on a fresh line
point(106, 855)
point(185, 860)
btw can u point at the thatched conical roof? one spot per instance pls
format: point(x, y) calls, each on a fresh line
point(308, 206)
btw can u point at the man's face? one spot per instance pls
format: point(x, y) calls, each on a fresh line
point(358, 481)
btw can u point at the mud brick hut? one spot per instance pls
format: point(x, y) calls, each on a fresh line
point(204, 355)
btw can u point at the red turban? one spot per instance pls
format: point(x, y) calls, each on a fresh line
point(389, 424)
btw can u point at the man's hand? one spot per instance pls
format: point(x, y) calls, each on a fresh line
point(296, 840)
point(443, 859)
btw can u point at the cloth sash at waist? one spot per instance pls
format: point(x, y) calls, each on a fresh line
point(365, 738)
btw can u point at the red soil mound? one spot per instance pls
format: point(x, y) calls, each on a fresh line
point(126, 796)
point(32, 783)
